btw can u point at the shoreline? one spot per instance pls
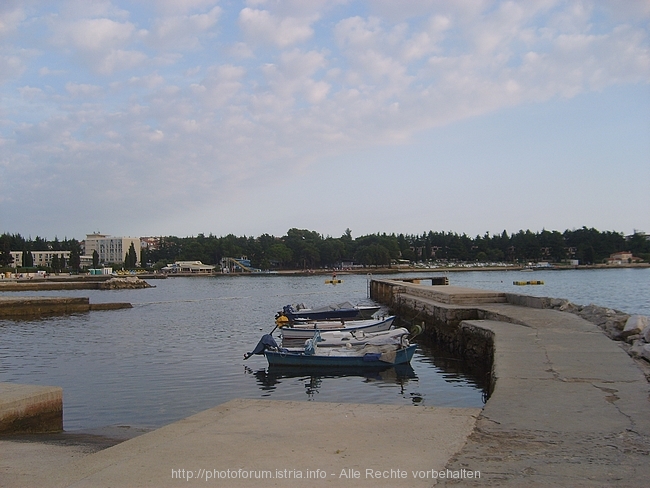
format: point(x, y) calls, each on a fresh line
point(93, 282)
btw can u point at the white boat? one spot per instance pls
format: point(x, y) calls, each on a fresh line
point(396, 351)
point(306, 330)
point(356, 338)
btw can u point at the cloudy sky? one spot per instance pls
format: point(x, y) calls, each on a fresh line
point(170, 117)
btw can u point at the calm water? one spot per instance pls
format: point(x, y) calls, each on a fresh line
point(179, 350)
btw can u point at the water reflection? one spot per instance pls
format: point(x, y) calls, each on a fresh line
point(453, 368)
point(314, 379)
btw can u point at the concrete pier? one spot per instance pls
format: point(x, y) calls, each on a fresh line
point(24, 307)
point(267, 443)
point(569, 407)
point(29, 409)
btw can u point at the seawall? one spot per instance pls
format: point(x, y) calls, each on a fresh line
point(25, 307)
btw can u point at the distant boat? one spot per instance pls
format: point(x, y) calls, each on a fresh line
point(305, 330)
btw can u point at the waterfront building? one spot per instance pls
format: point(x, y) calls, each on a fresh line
point(188, 267)
point(41, 258)
point(110, 249)
point(623, 257)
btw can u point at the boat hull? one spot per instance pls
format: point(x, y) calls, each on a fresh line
point(360, 312)
point(276, 358)
point(304, 332)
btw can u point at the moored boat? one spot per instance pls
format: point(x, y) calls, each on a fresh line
point(305, 330)
point(378, 352)
point(366, 356)
point(337, 311)
point(356, 338)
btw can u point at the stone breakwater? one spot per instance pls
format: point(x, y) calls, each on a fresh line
point(128, 283)
point(74, 283)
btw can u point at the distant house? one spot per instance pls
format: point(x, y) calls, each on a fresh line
point(623, 257)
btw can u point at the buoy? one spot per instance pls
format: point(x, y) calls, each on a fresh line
point(333, 282)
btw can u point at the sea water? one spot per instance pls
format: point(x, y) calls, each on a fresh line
point(180, 349)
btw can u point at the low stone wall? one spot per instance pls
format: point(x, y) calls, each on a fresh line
point(36, 306)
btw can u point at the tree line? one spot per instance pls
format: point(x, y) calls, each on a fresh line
point(306, 249)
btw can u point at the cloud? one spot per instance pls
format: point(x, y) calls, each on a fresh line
point(180, 32)
point(261, 26)
point(99, 43)
point(11, 15)
point(203, 104)
point(11, 67)
point(83, 90)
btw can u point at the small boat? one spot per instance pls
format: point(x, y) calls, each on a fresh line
point(366, 356)
point(378, 352)
point(337, 311)
point(358, 337)
point(305, 330)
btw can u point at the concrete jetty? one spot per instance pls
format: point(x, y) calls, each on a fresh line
point(265, 443)
point(24, 307)
point(568, 407)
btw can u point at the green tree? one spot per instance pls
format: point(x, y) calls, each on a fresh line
point(95, 259)
point(131, 258)
point(55, 264)
point(75, 257)
point(5, 251)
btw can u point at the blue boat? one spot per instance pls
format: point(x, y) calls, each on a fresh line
point(329, 312)
point(363, 357)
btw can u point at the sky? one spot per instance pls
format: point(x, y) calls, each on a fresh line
point(165, 117)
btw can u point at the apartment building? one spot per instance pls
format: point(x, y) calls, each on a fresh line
point(41, 258)
point(110, 249)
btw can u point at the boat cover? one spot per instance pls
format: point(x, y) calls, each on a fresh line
point(266, 342)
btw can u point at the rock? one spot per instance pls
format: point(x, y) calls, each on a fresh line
point(646, 334)
point(637, 349)
point(569, 307)
point(645, 352)
point(635, 325)
point(633, 338)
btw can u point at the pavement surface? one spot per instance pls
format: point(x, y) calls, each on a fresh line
point(259, 443)
point(570, 407)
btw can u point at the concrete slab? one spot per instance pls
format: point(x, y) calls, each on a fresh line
point(569, 408)
point(30, 408)
point(35, 306)
point(284, 443)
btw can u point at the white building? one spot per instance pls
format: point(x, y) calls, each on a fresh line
point(110, 249)
point(188, 267)
point(41, 258)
